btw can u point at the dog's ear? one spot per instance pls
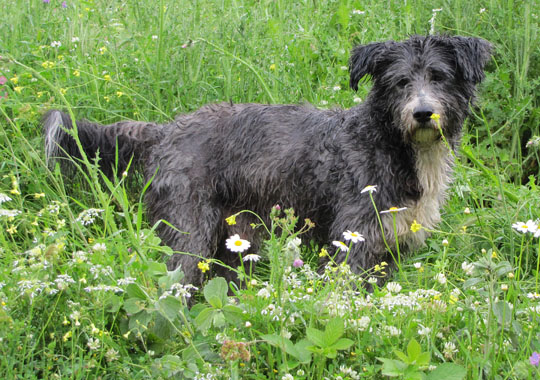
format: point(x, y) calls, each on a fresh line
point(471, 54)
point(364, 60)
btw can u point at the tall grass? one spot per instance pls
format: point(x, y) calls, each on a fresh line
point(83, 287)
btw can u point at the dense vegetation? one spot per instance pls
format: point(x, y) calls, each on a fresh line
point(83, 287)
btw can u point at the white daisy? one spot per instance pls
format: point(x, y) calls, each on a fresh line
point(370, 188)
point(521, 227)
point(235, 244)
point(340, 245)
point(355, 237)
point(252, 257)
point(393, 210)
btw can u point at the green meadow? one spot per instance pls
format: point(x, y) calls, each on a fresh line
point(84, 291)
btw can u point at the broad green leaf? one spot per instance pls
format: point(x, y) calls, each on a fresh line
point(219, 319)
point(413, 350)
point(203, 321)
point(333, 331)
point(170, 307)
point(155, 269)
point(173, 277)
point(133, 305)
point(472, 282)
point(392, 368)
point(343, 344)
point(215, 292)
point(502, 312)
point(113, 304)
point(424, 359)
point(447, 371)
point(135, 291)
point(316, 336)
point(401, 355)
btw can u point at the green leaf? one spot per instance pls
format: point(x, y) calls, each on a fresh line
point(315, 336)
point(392, 368)
point(423, 359)
point(113, 304)
point(413, 350)
point(502, 312)
point(215, 292)
point(333, 331)
point(135, 291)
point(170, 307)
point(401, 355)
point(219, 319)
point(133, 305)
point(472, 282)
point(447, 371)
point(173, 277)
point(155, 269)
point(343, 344)
point(203, 321)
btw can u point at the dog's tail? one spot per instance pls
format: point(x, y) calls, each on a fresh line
point(116, 144)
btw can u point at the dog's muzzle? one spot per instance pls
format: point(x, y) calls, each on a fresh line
point(425, 130)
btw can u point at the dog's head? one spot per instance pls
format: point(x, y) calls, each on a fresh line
point(420, 77)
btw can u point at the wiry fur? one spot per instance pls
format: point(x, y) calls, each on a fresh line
point(224, 158)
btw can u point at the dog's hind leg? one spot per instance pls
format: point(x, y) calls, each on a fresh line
point(198, 226)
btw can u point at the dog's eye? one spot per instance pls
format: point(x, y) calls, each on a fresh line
point(402, 83)
point(437, 76)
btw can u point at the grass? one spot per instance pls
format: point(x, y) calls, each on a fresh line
point(84, 291)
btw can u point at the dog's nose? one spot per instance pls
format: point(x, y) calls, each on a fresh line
point(422, 114)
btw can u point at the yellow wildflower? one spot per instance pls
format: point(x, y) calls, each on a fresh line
point(273, 66)
point(18, 89)
point(436, 116)
point(203, 266)
point(323, 253)
point(102, 50)
point(63, 91)
point(77, 73)
point(119, 93)
point(12, 230)
point(107, 77)
point(231, 220)
point(15, 79)
point(415, 226)
point(39, 195)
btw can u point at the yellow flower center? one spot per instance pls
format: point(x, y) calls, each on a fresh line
point(238, 243)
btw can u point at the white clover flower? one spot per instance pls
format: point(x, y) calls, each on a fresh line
point(357, 99)
point(93, 343)
point(440, 278)
point(56, 44)
point(125, 281)
point(392, 330)
point(287, 376)
point(372, 280)
point(4, 198)
point(418, 265)
point(9, 213)
point(154, 37)
point(341, 245)
point(235, 244)
point(393, 287)
point(336, 88)
point(264, 293)
point(449, 350)
point(355, 237)
point(99, 247)
point(424, 331)
point(358, 12)
point(468, 268)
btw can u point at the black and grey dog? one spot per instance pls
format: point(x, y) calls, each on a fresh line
point(223, 158)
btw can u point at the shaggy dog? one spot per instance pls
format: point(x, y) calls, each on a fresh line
point(207, 165)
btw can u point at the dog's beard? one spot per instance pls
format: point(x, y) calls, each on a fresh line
point(425, 135)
